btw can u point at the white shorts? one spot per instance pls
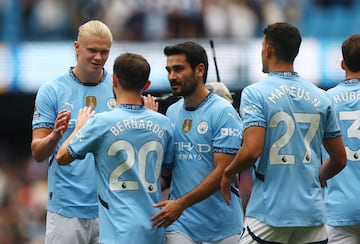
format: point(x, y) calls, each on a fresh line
point(176, 237)
point(258, 232)
point(343, 234)
point(60, 230)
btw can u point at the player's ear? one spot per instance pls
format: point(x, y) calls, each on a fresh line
point(343, 65)
point(200, 70)
point(76, 47)
point(269, 50)
point(147, 84)
point(115, 80)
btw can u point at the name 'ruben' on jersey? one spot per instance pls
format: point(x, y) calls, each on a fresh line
point(295, 136)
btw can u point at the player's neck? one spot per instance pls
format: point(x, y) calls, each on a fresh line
point(129, 98)
point(86, 77)
point(281, 67)
point(194, 100)
point(351, 75)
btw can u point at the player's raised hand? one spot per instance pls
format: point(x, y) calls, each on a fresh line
point(61, 123)
point(84, 115)
point(150, 102)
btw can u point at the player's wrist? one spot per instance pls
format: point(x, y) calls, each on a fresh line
point(54, 138)
point(227, 173)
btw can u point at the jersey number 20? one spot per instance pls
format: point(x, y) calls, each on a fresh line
point(116, 184)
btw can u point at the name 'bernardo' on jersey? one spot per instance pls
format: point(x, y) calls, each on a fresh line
point(293, 91)
point(134, 123)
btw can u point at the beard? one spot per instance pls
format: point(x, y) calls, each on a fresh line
point(186, 88)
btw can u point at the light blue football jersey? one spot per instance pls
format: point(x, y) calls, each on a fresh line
point(214, 126)
point(71, 188)
point(297, 116)
point(130, 145)
point(342, 191)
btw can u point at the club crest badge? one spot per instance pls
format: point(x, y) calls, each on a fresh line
point(202, 127)
point(111, 103)
point(186, 126)
point(91, 101)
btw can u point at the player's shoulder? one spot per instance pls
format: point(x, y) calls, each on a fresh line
point(219, 104)
point(256, 91)
point(56, 83)
point(106, 114)
point(176, 106)
point(317, 90)
point(48, 89)
point(261, 86)
point(161, 118)
point(104, 119)
point(338, 88)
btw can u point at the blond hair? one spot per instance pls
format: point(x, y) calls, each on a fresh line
point(95, 28)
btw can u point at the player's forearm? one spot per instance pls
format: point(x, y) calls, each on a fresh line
point(205, 189)
point(63, 156)
point(249, 152)
point(336, 161)
point(241, 162)
point(329, 169)
point(43, 148)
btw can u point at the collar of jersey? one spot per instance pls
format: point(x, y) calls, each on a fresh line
point(284, 74)
point(351, 81)
point(73, 76)
point(202, 103)
point(132, 106)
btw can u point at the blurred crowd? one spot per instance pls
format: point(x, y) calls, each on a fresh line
point(146, 20)
point(37, 20)
point(142, 20)
point(23, 196)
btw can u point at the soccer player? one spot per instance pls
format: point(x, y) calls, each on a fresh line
point(207, 137)
point(342, 191)
point(286, 119)
point(129, 145)
point(72, 207)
